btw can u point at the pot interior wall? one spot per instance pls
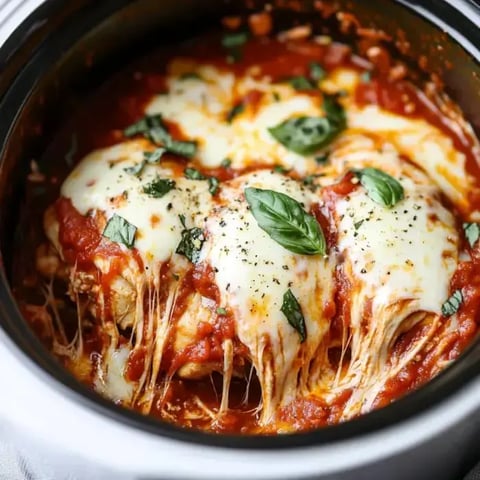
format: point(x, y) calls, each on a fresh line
point(63, 60)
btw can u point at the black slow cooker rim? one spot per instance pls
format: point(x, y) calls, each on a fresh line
point(24, 345)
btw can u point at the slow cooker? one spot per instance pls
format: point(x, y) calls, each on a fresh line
point(431, 433)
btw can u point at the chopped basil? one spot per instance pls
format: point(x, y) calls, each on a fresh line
point(381, 187)
point(191, 243)
point(236, 110)
point(159, 135)
point(135, 169)
point(306, 135)
point(276, 96)
point(194, 174)
point(159, 187)
point(301, 83)
point(143, 125)
point(190, 76)
point(322, 159)
point(120, 231)
point(452, 305)
point(309, 179)
point(152, 127)
point(366, 76)
point(234, 42)
point(226, 162)
point(155, 156)
point(293, 311)
point(221, 311)
point(234, 39)
point(284, 219)
point(213, 183)
point(472, 232)
point(317, 72)
point(148, 157)
point(280, 169)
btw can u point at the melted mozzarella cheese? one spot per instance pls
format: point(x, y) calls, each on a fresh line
point(100, 183)
point(253, 272)
point(400, 262)
point(422, 143)
point(200, 108)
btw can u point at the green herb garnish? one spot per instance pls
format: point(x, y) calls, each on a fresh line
point(143, 125)
point(236, 110)
point(452, 305)
point(226, 162)
point(381, 187)
point(120, 230)
point(293, 311)
point(213, 184)
point(472, 232)
point(317, 72)
point(234, 39)
point(159, 187)
point(306, 135)
point(191, 243)
point(284, 219)
point(301, 83)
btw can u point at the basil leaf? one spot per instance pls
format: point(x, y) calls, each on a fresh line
point(159, 135)
point(334, 112)
point(159, 187)
point(135, 169)
point(234, 39)
point(226, 162)
point(366, 76)
point(293, 311)
point(322, 159)
point(213, 183)
point(310, 179)
point(183, 148)
point(120, 231)
point(148, 157)
point(191, 242)
point(472, 232)
point(452, 305)
point(143, 125)
point(306, 135)
point(301, 83)
point(221, 311)
point(280, 169)
point(236, 110)
point(155, 156)
point(194, 174)
point(381, 187)
point(317, 72)
point(284, 219)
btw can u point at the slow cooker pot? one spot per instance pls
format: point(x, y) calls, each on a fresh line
point(431, 433)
